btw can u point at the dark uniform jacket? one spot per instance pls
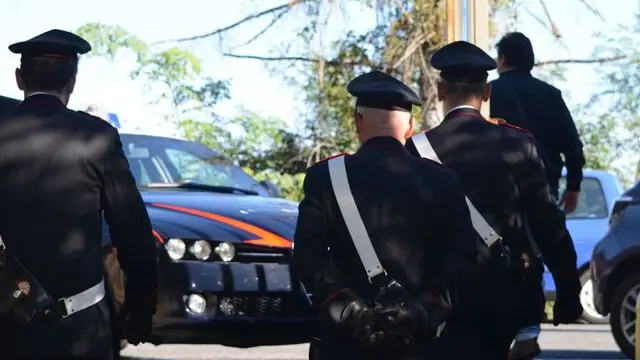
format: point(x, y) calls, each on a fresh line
point(529, 103)
point(59, 170)
point(7, 104)
point(415, 213)
point(504, 178)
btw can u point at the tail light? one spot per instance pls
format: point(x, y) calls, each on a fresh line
point(620, 204)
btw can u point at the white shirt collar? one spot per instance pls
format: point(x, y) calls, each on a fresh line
point(42, 93)
point(460, 107)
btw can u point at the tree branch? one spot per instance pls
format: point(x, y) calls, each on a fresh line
point(271, 58)
point(312, 60)
point(288, 5)
point(580, 61)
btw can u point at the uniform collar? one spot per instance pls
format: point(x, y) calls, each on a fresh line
point(386, 143)
point(462, 110)
point(42, 100)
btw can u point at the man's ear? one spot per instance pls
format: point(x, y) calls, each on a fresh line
point(358, 121)
point(412, 124)
point(487, 92)
point(19, 81)
point(440, 91)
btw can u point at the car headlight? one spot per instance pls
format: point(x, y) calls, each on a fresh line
point(176, 248)
point(201, 249)
point(226, 251)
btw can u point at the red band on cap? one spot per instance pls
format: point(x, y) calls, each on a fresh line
point(59, 56)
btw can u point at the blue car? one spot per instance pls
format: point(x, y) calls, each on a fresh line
point(587, 225)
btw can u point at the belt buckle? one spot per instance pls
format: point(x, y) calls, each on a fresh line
point(379, 280)
point(62, 308)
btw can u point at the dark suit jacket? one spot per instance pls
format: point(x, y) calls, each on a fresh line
point(416, 216)
point(527, 102)
point(59, 170)
point(7, 104)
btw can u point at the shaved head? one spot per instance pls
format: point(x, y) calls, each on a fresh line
point(371, 122)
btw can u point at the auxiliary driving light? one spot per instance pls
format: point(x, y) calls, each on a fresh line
point(201, 249)
point(196, 304)
point(226, 251)
point(175, 248)
point(227, 307)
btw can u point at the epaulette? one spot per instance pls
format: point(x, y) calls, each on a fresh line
point(516, 127)
point(497, 121)
point(332, 157)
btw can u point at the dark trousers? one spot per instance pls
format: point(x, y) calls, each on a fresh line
point(333, 348)
point(83, 335)
point(480, 338)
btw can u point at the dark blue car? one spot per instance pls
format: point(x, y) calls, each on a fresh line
point(587, 225)
point(224, 248)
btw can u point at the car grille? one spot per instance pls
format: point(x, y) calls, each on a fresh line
point(257, 306)
point(245, 253)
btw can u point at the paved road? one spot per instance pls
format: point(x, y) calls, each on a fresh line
point(579, 342)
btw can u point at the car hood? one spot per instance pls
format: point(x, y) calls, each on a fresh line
point(221, 217)
point(587, 231)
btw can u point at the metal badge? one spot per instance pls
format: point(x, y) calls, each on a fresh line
point(23, 289)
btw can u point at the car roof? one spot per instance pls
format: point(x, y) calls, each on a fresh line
point(148, 133)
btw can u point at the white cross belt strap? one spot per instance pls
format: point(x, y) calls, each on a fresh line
point(83, 300)
point(352, 218)
point(481, 225)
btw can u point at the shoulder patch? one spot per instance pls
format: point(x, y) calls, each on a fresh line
point(333, 157)
point(515, 127)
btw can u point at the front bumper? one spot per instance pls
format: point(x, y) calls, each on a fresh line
point(252, 298)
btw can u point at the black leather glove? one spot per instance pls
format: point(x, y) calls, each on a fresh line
point(403, 320)
point(136, 320)
point(351, 315)
point(567, 308)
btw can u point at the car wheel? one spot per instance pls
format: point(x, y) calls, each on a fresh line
point(623, 314)
point(590, 315)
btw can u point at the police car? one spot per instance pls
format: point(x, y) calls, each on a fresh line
point(224, 245)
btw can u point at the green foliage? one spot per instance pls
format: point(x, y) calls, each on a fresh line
point(291, 185)
point(175, 76)
point(615, 132)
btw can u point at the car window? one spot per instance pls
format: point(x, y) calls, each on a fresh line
point(163, 160)
point(591, 203)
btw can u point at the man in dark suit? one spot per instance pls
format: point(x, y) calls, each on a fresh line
point(505, 182)
point(7, 104)
point(532, 104)
point(59, 171)
point(411, 211)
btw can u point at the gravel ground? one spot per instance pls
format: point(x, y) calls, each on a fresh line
point(579, 342)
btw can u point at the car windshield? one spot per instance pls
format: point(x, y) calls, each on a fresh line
point(591, 203)
point(160, 160)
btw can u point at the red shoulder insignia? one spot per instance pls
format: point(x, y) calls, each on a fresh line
point(515, 127)
point(333, 157)
point(497, 121)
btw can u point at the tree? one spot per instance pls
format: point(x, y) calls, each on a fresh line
point(406, 34)
point(173, 76)
point(614, 127)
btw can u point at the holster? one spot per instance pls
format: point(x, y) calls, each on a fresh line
point(21, 294)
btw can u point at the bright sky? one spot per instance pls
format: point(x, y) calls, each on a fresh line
point(252, 86)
